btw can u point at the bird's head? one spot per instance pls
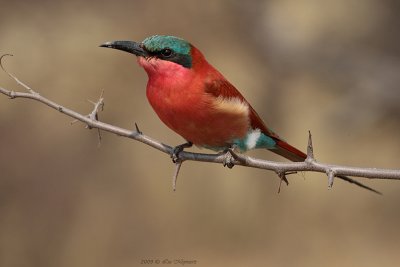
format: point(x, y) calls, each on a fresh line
point(160, 54)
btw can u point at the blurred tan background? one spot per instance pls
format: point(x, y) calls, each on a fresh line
point(332, 67)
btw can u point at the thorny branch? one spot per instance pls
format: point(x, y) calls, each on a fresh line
point(282, 169)
point(94, 115)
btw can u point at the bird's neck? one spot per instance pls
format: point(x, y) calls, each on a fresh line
point(165, 77)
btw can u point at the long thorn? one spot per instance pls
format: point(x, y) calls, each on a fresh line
point(310, 149)
point(331, 177)
point(178, 165)
point(137, 129)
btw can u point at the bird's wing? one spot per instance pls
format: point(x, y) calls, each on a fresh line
point(222, 88)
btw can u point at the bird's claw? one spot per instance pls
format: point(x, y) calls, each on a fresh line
point(175, 153)
point(229, 160)
point(178, 149)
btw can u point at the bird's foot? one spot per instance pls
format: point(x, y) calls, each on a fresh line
point(178, 149)
point(229, 157)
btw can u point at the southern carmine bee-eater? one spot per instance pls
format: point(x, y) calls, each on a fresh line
point(196, 101)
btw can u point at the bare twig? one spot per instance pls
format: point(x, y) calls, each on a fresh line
point(281, 168)
point(94, 115)
point(98, 106)
point(13, 77)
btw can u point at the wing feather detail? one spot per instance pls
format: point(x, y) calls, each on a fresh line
point(222, 89)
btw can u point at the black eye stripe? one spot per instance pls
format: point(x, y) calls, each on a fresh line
point(170, 55)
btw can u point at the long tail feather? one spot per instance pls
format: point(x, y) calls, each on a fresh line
point(288, 151)
point(293, 154)
point(352, 181)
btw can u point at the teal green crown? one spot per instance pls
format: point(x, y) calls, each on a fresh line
point(158, 42)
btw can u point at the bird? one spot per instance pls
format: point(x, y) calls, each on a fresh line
point(197, 102)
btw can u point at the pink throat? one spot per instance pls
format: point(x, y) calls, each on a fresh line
point(157, 68)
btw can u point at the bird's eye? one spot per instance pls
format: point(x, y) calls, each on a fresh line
point(166, 52)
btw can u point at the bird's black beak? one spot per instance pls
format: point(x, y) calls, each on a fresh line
point(127, 46)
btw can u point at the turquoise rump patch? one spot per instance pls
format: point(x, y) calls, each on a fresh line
point(265, 142)
point(254, 139)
